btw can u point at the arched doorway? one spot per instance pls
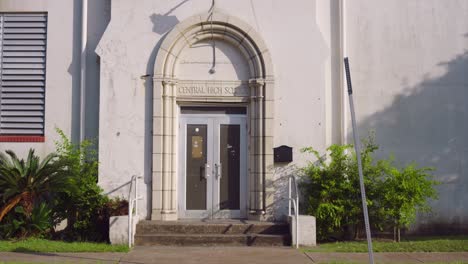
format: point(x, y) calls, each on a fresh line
point(193, 105)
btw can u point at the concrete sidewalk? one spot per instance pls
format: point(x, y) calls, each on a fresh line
point(227, 255)
point(402, 257)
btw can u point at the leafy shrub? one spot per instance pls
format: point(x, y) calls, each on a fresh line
point(83, 206)
point(65, 181)
point(405, 192)
point(19, 224)
point(393, 195)
point(26, 185)
point(116, 206)
point(112, 207)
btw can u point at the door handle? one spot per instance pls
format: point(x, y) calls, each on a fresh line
point(218, 171)
point(207, 171)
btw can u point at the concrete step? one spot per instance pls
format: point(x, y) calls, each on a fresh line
point(215, 233)
point(222, 227)
point(212, 240)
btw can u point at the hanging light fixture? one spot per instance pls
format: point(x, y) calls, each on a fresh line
point(213, 66)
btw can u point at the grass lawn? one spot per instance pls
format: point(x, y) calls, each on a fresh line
point(42, 245)
point(423, 244)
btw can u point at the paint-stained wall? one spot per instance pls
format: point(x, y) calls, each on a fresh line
point(409, 63)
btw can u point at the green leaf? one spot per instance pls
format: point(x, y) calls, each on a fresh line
point(19, 209)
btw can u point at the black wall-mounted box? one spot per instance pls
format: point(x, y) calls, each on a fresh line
point(283, 154)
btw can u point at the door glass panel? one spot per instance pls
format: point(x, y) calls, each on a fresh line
point(230, 161)
point(195, 167)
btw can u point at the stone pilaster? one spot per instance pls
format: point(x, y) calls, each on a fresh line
point(257, 168)
point(158, 142)
point(164, 177)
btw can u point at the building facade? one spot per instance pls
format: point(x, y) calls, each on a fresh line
point(194, 98)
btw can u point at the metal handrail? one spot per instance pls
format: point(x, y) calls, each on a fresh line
point(295, 202)
point(132, 203)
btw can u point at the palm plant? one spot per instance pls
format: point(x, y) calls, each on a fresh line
point(25, 181)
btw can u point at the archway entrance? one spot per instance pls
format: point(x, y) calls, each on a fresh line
point(212, 121)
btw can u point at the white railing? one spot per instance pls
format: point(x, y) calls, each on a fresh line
point(295, 202)
point(132, 204)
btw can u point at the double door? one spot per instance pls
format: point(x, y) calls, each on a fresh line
point(212, 166)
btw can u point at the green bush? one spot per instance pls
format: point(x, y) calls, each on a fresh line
point(82, 207)
point(394, 195)
point(26, 186)
point(38, 195)
point(404, 192)
point(116, 206)
point(18, 223)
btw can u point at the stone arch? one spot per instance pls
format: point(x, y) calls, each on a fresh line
point(259, 99)
point(222, 27)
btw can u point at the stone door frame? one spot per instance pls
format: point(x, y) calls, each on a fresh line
point(259, 98)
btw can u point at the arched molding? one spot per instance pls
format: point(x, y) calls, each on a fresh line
point(221, 27)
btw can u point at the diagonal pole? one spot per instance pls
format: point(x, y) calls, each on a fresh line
point(358, 155)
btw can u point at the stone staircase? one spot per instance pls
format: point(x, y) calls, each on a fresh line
point(212, 233)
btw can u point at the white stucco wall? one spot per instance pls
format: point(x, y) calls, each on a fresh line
point(409, 66)
point(60, 68)
point(127, 52)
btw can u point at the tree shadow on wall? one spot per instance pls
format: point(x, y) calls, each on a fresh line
point(164, 22)
point(280, 186)
point(430, 127)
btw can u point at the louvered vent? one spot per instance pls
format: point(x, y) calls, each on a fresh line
point(22, 73)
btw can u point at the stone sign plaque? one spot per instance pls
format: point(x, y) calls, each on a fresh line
point(212, 88)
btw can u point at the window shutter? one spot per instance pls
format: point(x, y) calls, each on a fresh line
point(22, 73)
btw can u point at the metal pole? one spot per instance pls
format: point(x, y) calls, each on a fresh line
point(212, 198)
point(289, 196)
point(130, 221)
point(136, 195)
point(358, 155)
point(296, 212)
